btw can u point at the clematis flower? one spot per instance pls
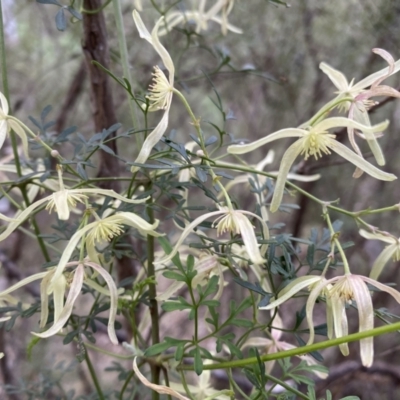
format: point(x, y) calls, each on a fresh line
point(62, 201)
point(360, 102)
point(229, 220)
point(390, 251)
point(275, 345)
point(344, 290)
point(268, 159)
point(160, 91)
point(314, 141)
point(7, 123)
point(202, 17)
point(57, 288)
point(103, 230)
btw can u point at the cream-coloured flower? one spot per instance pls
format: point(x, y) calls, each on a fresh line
point(201, 17)
point(63, 201)
point(229, 220)
point(160, 91)
point(358, 99)
point(314, 141)
point(346, 289)
point(390, 251)
point(103, 230)
point(57, 288)
point(7, 123)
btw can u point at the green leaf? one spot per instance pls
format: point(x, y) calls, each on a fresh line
point(158, 348)
point(175, 276)
point(179, 351)
point(210, 303)
point(175, 305)
point(61, 21)
point(242, 322)
point(198, 362)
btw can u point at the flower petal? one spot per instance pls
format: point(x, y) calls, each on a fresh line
point(73, 293)
point(382, 260)
point(287, 161)
point(158, 388)
point(4, 104)
point(337, 78)
point(349, 155)
point(283, 133)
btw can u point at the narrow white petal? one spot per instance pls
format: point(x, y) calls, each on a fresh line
point(113, 299)
point(22, 134)
point(393, 292)
point(382, 260)
point(131, 219)
point(58, 296)
point(284, 133)
point(3, 132)
point(141, 27)
point(377, 236)
point(163, 53)
point(369, 80)
point(349, 155)
point(291, 289)
point(337, 78)
point(336, 122)
point(4, 104)
point(249, 238)
point(73, 293)
point(287, 161)
point(22, 217)
point(158, 388)
point(109, 193)
point(366, 317)
point(186, 232)
point(24, 282)
point(151, 140)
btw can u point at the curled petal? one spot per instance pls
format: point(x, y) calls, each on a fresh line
point(157, 388)
point(378, 236)
point(382, 260)
point(73, 293)
point(287, 161)
point(291, 289)
point(336, 122)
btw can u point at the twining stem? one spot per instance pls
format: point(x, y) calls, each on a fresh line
point(155, 330)
point(382, 330)
point(94, 376)
point(123, 49)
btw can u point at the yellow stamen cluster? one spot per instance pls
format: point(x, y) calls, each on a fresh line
point(316, 143)
point(160, 90)
point(104, 231)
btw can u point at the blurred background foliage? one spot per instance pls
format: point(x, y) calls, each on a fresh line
point(268, 78)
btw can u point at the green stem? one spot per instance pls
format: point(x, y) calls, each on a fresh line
point(382, 330)
point(123, 49)
point(94, 376)
point(286, 386)
point(155, 329)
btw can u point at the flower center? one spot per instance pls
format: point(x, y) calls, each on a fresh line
point(104, 231)
point(227, 223)
point(343, 290)
point(316, 143)
point(160, 90)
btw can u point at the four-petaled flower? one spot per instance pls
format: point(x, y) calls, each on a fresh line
point(391, 251)
point(160, 91)
point(234, 221)
point(314, 141)
point(358, 99)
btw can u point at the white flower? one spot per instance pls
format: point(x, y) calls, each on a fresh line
point(390, 251)
point(345, 289)
point(201, 17)
point(160, 91)
point(314, 141)
point(103, 230)
point(234, 221)
point(62, 201)
point(360, 102)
